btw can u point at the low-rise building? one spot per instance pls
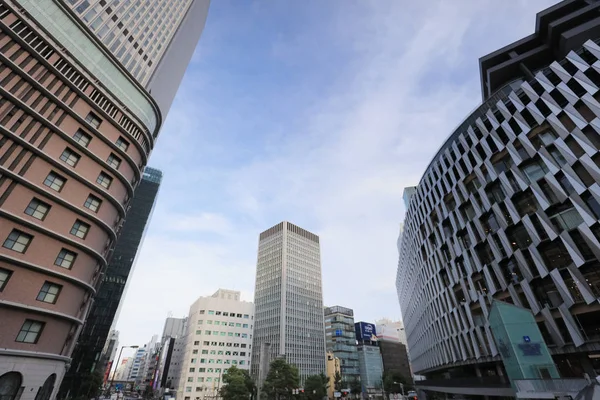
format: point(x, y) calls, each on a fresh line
point(219, 335)
point(332, 366)
point(340, 339)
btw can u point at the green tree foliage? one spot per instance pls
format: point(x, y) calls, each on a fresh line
point(90, 384)
point(355, 387)
point(337, 381)
point(390, 387)
point(237, 385)
point(281, 380)
point(315, 387)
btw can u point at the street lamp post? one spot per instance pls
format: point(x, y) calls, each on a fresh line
point(117, 365)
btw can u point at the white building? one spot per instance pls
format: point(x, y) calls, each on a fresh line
point(288, 297)
point(391, 330)
point(137, 365)
point(219, 335)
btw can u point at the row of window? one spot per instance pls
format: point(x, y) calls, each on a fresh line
point(56, 182)
point(48, 293)
point(220, 344)
point(217, 333)
point(223, 323)
point(212, 361)
point(220, 353)
point(225, 314)
point(19, 241)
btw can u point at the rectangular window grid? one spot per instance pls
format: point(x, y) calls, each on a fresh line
point(37, 209)
point(122, 144)
point(65, 259)
point(4, 277)
point(80, 229)
point(30, 331)
point(93, 203)
point(17, 241)
point(104, 180)
point(93, 120)
point(82, 138)
point(49, 292)
point(70, 157)
point(113, 161)
point(54, 181)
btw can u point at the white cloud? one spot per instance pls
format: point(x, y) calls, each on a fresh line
point(407, 74)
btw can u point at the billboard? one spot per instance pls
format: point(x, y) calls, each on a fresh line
point(365, 331)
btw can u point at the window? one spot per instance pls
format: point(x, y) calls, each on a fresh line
point(204, 351)
point(205, 343)
point(4, 277)
point(225, 314)
point(201, 312)
point(203, 361)
point(207, 332)
point(70, 157)
point(113, 161)
point(209, 322)
point(218, 313)
point(192, 369)
point(93, 120)
point(49, 292)
point(238, 325)
point(82, 138)
point(198, 332)
point(193, 361)
point(189, 388)
point(535, 170)
point(122, 144)
point(93, 203)
point(245, 326)
point(194, 351)
point(104, 180)
point(80, 229)
point(65, 259)
point(200, 322)
point(190, 379)
point(30, 331)
point(246, 316)
point(37, 209)
point(211, 312)
point(54, 181)
point(17, 241)
point(196, 343)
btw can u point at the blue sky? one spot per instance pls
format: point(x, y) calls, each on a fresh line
point(316, 112)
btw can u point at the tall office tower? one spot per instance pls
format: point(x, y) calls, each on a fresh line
point(509, 209)
point(219, 335)
point(87, 355)
point(340, 339)
point(76, 131)
point(289, 300)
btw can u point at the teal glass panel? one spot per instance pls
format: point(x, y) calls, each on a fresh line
point(520, 343)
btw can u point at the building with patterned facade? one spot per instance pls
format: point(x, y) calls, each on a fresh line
point(340, 340)
point(509, 209)
point(76, 131)
point(219, 335)
point(288, 297)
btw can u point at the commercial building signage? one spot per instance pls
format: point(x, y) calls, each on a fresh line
point(364, 331)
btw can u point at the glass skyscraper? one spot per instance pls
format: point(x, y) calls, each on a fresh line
point(288, 300)
point(87, 355)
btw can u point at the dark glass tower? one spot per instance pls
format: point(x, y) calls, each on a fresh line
point(87, 356)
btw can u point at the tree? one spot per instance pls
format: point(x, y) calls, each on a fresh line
point(355, 387)
point(148, 392)
point(281, 380)
point(337, 381)
point(392, 381)
point(237, 384)
point(315, 387)
point(90, 384)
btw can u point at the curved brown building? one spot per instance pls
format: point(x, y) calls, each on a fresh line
point(76, 130)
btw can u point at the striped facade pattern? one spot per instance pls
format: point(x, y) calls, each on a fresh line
point(71, 156)
point(509, 209)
